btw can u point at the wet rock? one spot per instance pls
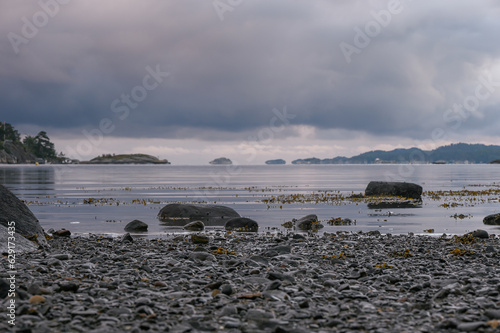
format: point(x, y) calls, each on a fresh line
point(180, 214)
point(136, 226)
point(14, 210)
point(242, 224)
point(195, 226)
point(307, 222)
point(493, 219)
point(395, 189)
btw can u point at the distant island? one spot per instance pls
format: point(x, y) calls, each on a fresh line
point(454, 153)
point(126, 159)
point(221, 161)
point(495, 162)
point(278, 161)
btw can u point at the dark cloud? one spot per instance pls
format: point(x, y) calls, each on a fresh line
point(226, 76)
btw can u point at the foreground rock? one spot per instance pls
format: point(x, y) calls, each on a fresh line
point(341, 282)
point(493, 219)
point(242, 224)
point(394, 189)
point(14, 210)
point(136, 226)
point(14, 241)
point(181, 214)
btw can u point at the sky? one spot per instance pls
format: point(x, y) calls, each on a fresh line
point(251, 80)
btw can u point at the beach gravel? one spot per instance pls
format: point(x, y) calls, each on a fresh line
point(267, 282)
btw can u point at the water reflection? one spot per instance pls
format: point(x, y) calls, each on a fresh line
point(27, 175)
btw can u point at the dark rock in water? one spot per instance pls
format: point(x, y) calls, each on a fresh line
point(396, 189)
point(180, 214)
point(199, 239)
point(62, 233)
point(242, 224)
point(136, 226)
point(127, 238)
point(14, 210)
point(195, 226)
point(480, 234)
point(309, 222)
point(493, 219)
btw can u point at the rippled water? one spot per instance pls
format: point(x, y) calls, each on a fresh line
point(120, 194)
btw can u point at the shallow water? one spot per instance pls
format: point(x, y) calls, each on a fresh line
point(57, 195)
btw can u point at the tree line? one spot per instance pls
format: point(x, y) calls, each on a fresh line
point(39, 145)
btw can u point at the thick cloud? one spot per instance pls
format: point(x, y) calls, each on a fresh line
point(225, 77)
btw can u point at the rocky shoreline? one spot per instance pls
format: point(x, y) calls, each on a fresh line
point(265, 282)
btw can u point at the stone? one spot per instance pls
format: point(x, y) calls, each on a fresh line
point(395, 189)
point(14, 210)
point(62, 233)
point(199, 239)
point(69, 286)
point(493, 219)
point(480, 234)
point(180, 214)
point(195, 226)
point(37, 299)
point(127, 238)
point(19, 245)
point(136, 226)
point(202, 256)
point(470, 327)
point(4, 288)
point(242, 224)
point(307, 222)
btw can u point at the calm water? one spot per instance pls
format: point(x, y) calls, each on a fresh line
point(57, 194)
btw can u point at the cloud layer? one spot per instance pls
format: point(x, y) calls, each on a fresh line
point(412, 62)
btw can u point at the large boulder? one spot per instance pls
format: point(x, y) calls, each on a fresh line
point(242, 224)
point(211, 215)
point(395, 189)
point(14, 210)
point(14, 241)
point(493, 219)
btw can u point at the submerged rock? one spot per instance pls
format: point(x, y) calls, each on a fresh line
point(181, 214)
point(136, 226)
point(396, 189)
point(308, 222)
point(242, 224)
point(493, 219)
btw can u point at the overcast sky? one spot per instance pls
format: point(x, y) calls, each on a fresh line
point(251, 80)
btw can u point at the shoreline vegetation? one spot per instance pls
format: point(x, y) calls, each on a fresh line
point(40, 150)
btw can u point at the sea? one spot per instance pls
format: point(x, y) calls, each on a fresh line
point(102, 199)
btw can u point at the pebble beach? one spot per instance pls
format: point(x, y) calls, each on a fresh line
point(260, 282)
